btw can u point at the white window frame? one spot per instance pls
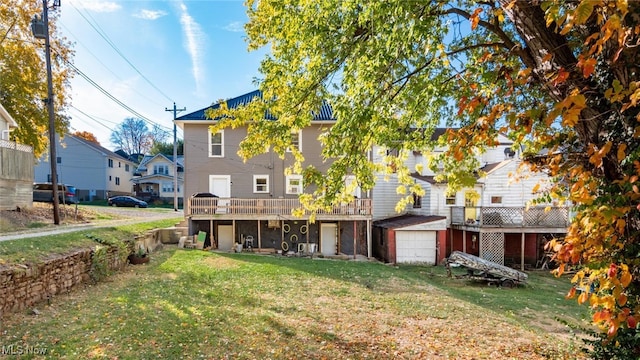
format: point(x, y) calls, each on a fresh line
point(256, 185)
point(210, 143)
point(293, 133)
point(450, 197)
point(161, 169)
point(291, 188)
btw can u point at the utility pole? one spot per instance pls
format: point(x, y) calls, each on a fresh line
point(175, 158)
point(40, 29)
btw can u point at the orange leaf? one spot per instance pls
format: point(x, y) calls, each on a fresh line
point(583, 297)
point(571, 293)
point(561, 77)
point(588, 66)
point(621, 152)
point(625, 279)
point(622, 299)
point(475, 19)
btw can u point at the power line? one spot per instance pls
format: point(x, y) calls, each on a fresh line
point(106, 38)
point(114, 99)
point(105, 66)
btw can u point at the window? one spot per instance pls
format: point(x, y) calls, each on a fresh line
point(59, 160)
point(496, 199)
point(117, 180)
point(119, 164)
point(451, 199)
point(417, 201)
point(260, 183)
point(294, 184)
point(110, 164)
point(167, 186)
point(216, 144)
point(161, 169)
point(296, 140)
point(109, 177)
point(351, 181)
point(126, 167)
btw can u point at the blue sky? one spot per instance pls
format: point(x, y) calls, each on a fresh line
point(149, 54)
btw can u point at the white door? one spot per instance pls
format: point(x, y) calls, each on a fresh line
point(416, 246)
point(220, 185)
point(225, 237)
point(328, 238)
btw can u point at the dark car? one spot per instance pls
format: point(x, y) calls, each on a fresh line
point(204, 194)
point(126, 201)
point(43, 192)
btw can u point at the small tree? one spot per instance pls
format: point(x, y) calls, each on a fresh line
point(166, 148)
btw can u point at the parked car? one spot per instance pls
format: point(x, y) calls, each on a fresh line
point(43, 192)
point(126, 201)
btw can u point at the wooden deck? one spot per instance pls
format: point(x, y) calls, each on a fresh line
point(539, 217)
point(235, 208)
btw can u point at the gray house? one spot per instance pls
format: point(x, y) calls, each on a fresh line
point(253, 200)
point(96, 172)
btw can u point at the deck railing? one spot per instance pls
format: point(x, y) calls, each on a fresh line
point(218, 206)
point(538, 216)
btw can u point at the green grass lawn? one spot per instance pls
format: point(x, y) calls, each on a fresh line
point(35, 249)
point(202, 305)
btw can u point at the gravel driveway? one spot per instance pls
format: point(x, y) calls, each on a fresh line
point(129, 216)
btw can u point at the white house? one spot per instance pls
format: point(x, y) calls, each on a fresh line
point(155, 178)
point(96, 172)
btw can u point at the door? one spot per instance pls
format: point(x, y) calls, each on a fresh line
point(225, 237)
point(416, 246)
point(220, 185)
point(328, 238)
point(470, 206)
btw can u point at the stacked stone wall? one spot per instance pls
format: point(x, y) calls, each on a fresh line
point(24, 285)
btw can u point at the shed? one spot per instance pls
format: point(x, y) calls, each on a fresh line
point(410, 239)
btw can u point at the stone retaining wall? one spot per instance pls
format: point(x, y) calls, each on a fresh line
point(23, 286)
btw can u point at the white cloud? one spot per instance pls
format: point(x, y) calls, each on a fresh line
point(236, 26)
point(193, 43)
point(97, 5)
point(149, 14)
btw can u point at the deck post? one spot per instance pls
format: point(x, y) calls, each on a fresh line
point(259, 237)
point(522, 252)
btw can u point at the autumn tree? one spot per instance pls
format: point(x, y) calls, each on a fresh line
point(23, 79)
point(134, 136)
point(87, 136)
point(560, 78)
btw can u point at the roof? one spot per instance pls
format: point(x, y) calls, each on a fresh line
point(4, 114)
point(325, 113)
point(406, 220)
point(148, 158)
point(491, 167)
point(428, 178)
point(98, 147)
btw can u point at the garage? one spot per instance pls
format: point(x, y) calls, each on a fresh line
point(409, 239)
point(416, 246)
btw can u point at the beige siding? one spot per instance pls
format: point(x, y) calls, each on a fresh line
point(16, 178)
point(198, 164)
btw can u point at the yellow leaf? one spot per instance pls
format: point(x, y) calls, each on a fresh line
point(625, 279)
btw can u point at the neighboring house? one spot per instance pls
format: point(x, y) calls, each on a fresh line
point(154, 178)
point(255, 199)
point(494, 220)
point(97, 173)
point(16, 170)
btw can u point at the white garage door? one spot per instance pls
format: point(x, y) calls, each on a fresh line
point(416, 246)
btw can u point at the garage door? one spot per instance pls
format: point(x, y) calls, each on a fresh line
point(416, 246)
